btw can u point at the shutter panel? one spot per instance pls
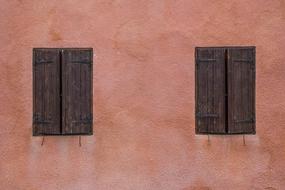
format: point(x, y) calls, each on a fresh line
point(77, 91)
point(46, 92)
point(210, 90)
point(241, 89)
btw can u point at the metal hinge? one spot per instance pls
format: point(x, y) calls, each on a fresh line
point(85, 120)
point(206, 60)
point(207, 115)
point(81, 62)
point(243, 60)
point(38, 119)
point(252, 120)
point(41, 61)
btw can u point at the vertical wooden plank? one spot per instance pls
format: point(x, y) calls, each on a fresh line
point(210, 90)
point(46, 92)
point(241, 85)
point(77, 91)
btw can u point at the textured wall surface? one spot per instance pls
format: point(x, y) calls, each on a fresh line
point(144, 135)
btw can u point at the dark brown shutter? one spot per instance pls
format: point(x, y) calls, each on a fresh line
point(46, 92)
point(210, 90)
point(77, 91)
point(241, 90)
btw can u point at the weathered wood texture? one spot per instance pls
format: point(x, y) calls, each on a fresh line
point(77, 91)
point(210, 90)
point(225, 90)
point(46, 87)
point(241, 90)
point(62, 92)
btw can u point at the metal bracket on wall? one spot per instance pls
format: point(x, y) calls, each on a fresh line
point(243, 140)
point(79, 141)
point(43, 140)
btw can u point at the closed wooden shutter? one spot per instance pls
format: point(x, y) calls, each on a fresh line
point(77, 91)
point(46, 92)
point(210, 90)
point(241, 90)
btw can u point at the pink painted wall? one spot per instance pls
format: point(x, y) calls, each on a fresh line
point(144, 135)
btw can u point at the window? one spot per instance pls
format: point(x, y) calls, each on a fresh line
point(225, 90)
point(62, 91)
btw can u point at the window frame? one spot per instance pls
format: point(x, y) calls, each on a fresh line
point(253, 131)
point(34, 133)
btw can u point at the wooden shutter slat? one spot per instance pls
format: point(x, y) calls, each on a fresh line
point(241, 90)
point(46, 92)
point(210, 90)
point(77, 91)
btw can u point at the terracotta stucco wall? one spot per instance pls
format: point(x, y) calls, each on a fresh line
point(143, 95)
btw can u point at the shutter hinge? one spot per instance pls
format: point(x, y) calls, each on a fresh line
point(84, 120)
point(42, 61)
point(81, 61)
point(252, 120)
point(40, 120)
point(207, 115)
